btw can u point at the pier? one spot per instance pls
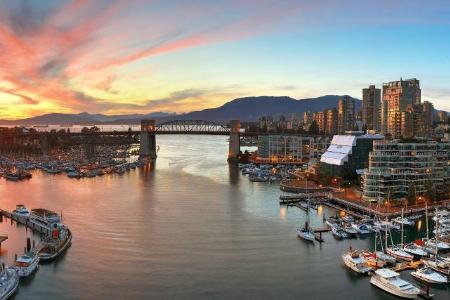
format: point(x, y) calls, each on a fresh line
point(24, 221)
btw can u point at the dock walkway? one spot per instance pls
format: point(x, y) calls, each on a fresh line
point(24, 221)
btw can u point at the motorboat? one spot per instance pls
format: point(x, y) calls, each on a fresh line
point(390, 282)
point(9, 281)
point(399, 253)
point(21, 211)
point(26, 264)
point(73, 174)
point(429, 275)
point(362, 229)
point(415, 250)
point(353, 260)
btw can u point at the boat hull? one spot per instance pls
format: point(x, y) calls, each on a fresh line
point(46, 257)
point(389, 290)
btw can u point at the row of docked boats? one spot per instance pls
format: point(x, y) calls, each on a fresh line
point(266, 173)
point(431, 269)
point(51, 246)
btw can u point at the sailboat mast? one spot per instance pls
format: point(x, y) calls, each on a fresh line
point(401, 243)
point(426, 218)
point(437, 235)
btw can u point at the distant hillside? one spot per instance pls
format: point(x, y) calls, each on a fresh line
point(252, 108)
point(82, 118)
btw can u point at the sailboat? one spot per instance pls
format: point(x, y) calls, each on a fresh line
point(397, 251)
point(306, 233)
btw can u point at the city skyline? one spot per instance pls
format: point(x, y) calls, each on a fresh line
point(116, 57)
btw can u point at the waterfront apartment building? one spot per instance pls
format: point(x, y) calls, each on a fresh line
point(399, 97)
point(291, 148)
point(346, 114)
point(371, 101)
point(396, 166)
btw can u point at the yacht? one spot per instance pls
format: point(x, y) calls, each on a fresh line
point(356, 262)
point(373, 260)
point(391, 282)
point(428, 275)
point(348, 219)
point(21, 211)
point(56, 244)
point(9, 281)
point(438, 266)
point(385, 257)
point(350, 231)
point(414, 250)
point(398, 253)
point(432, 243)
point(362, 229)
point(27, 264)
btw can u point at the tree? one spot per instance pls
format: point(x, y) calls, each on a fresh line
point(313, 128)
point(411, 194)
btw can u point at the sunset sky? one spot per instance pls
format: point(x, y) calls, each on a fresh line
point(139, 56)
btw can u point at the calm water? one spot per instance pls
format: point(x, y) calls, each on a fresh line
point(191, 228)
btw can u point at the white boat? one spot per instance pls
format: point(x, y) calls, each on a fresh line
point(415, 250)
point(27, 264)
point(305, 234)
point(428, 275)
point(338, 233)
point(385, 257)
point(404, 221)
point(21, 211)
point(391, 282)
point(362, 229)
point(356, 262)
point(440, 245)
point(437, 266)
point(398, 253)
point(9, 281)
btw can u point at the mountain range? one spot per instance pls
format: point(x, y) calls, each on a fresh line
point(244, 109)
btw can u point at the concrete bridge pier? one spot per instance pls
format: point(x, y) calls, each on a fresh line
point(235, 141)
point(148, 139)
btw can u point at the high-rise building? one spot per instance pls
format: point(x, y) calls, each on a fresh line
point(331, 121)
point(428, 117)
point(398, 98)
point(442, 116)
point(371, 101)
point(320, 119)
point(307, 117)
point(346, 114)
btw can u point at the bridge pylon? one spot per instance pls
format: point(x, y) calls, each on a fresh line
point(147, 147)
point(235, 141)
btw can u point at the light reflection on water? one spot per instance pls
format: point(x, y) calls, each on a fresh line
point(191, 228)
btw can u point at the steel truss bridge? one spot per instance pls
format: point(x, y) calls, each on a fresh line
point(191, 127)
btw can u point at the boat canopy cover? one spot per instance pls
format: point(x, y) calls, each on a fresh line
point(386, 273)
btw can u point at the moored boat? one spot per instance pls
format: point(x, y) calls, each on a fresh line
point(21, 211)
point(414, 250)
point(9, 281)
point(398, 253)
point(26, 264)
point(391, 282)
point(56, 244)
point(353, 260)
point(429, 275)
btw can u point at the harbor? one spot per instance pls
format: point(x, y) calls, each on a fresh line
point(228, 223)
